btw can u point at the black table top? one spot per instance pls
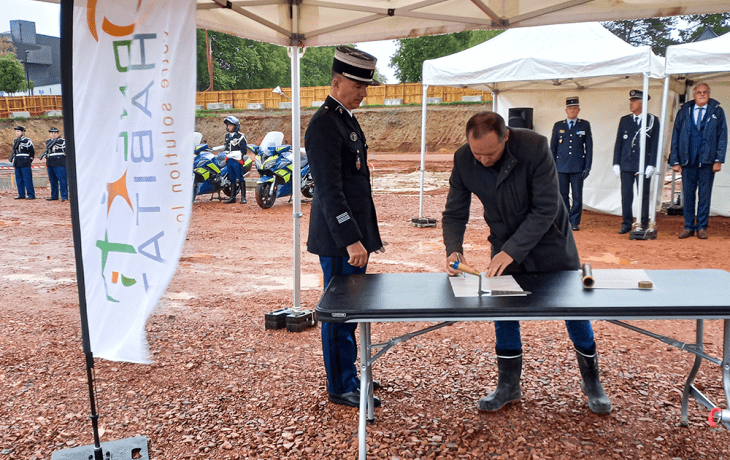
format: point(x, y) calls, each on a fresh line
point(678, 294)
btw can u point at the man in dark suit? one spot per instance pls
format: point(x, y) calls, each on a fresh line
point(699, 141)
point(343, 226)
point(626, 154)
point(513, 174)
point(572, 147)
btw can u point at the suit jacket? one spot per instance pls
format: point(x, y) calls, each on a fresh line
point(572, 148)
point(713, 132)
point(526, 215)
point(626, 151)
point(343, 211)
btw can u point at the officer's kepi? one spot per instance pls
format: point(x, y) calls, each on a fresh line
point(356, 65)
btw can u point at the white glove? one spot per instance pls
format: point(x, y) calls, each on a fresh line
point(649, 171)
point(617, 170)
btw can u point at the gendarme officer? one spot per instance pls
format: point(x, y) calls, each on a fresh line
point(22, 159)
point(572, 147)
point(626, 154)
point(343, 227)
point(56, 164)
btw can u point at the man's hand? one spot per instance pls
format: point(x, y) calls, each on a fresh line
point(498, 264)
point(358, 255)
point(585, 173)
point(678, 168)
point(453, 257)
point(617, 170)
point(716, 167)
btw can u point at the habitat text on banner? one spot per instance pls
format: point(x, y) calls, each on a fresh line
point(133, 102)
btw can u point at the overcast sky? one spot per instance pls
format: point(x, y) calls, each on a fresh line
point(47, 19)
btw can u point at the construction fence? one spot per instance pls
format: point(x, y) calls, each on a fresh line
point(400, 94)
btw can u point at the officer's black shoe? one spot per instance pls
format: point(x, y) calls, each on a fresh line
point(624, 230)
point(243, 199)
point(64, 199)
point(351, 399)
point(19, 198)
point(30, 198)
point(576, 228)
point(51, 199)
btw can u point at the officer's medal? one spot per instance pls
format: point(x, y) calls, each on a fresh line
point(357, 162)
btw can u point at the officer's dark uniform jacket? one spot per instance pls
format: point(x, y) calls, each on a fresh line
point(572, 148)
point(235, 141)
point(343, 211)
point(56, 151)
point(23, 152)
point(626, 151)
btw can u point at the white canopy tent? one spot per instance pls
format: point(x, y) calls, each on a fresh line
point(540, 66)
point(707, 61)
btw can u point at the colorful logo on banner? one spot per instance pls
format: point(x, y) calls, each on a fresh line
point(132, 139)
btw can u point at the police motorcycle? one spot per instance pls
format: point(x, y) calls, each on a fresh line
point(210, 173)
point(275, 164)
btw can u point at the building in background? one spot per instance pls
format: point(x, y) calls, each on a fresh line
point(41, 54)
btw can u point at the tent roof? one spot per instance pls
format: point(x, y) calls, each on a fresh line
point(704, 56)
point(350, 21)
point(570, 54)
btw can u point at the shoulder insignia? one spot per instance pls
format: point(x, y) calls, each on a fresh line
point(353, 136)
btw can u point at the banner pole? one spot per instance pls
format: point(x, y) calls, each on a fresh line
point(68, 129)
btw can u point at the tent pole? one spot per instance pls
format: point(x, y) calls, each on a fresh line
point(296, 142)
point(421, 221)
point(67, 7)
point(642, 150)
point(423, 148)
point(659, 182)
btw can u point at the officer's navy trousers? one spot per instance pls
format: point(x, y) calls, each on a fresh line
point(57, 176)
point(339, 346)
point(24, 181)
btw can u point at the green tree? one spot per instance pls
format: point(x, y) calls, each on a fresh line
point(666, 31)
point(316, 65)
point(12, 74)
point(411, 52)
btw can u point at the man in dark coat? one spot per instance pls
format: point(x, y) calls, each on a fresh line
point(56, 164)
point(572, 147)
point(626, 154)
point(513, 174)
point(699, 141)
point(22, 158)
point(343, 226)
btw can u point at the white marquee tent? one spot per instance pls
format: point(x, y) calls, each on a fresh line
point(707, 61)
point(539, 67)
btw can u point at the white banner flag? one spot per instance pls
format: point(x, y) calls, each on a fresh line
point(134, 118)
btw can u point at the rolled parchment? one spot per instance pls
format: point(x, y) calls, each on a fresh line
point(588, 280)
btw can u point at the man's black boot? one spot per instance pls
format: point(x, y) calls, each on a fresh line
point(508, 385)
point(598, 402)
point(234, 192)
point(243, 192)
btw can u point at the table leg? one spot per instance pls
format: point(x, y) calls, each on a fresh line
point(366, 398)
point(726, 361)
point(699, 334)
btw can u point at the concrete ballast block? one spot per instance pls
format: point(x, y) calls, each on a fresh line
point(433, 100)
point(215, 105)
point(471, 98)
point(19, 114)
point(53, 113)
point(285, 105)
point(393, 102)
point(255, 106)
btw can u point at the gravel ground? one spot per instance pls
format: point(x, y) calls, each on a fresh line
point(222, 386)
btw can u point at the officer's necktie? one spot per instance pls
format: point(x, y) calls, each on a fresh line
point(571, 124)
point(699, 117)
point(638, 121)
